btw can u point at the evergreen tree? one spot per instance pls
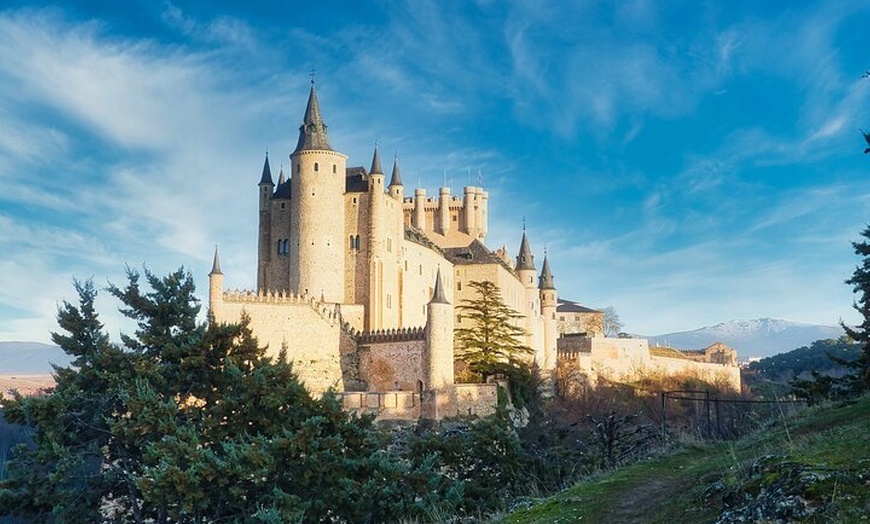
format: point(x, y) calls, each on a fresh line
point(860, 283)
point(192, 422)
point(491, 343)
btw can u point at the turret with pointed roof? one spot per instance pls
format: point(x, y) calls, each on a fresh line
point(545, 281)
point(266, 178)
point(376, 163)
point(312, 132)
point(396, 179)
point(438, 296)
point(525, 260)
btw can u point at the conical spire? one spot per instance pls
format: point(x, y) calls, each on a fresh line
point(545, 281)
point(267, 173)
point(216, 264)
point(396, 179)
point(281, 177)
point(376, 163)
point(438, 296)
point(525, 260)
point(312, 132)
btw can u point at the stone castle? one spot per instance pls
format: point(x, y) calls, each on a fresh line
point(358, 282)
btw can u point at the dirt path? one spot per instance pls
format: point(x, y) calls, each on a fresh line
point(635, 504)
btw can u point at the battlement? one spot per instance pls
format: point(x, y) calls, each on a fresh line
point(391, 335)
point(327, 311)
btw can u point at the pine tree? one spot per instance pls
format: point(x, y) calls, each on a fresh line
point(860, 283)
point(491, 344)
point(192, 422)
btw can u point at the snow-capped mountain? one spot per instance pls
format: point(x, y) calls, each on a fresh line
point(761, 337)
point(30, 358)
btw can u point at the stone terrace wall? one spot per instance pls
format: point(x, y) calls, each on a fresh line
point(386, 405)
point(392, 360)
point(478, 400)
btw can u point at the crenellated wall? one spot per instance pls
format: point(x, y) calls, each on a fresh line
point(629, 359)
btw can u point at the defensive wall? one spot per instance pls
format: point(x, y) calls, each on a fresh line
point(629, 359)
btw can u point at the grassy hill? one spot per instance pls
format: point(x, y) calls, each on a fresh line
point(811, 468)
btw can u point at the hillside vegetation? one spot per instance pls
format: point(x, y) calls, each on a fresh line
point(810, 468)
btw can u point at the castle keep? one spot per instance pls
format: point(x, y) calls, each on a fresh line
point(358, 282)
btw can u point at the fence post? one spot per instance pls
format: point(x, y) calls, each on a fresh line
point(707, 406)
point(664, 424)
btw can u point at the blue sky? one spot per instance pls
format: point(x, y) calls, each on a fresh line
point(684, 162)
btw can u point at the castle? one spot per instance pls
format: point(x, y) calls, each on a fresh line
point(358, 282)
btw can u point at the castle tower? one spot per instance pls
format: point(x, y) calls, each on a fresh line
point(438, 395)
point(317, 185)
point(548, 310)
point(397, 190)
point(442, 220)
point(527, 275)
point(264, 237)
point(377, 244)
point(418, 220)
point(215, 286)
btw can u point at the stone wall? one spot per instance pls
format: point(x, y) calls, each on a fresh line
point(392, 365)
point(386, 405)
point(628, 360)
point(478, 400)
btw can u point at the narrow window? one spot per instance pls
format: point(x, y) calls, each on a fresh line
point(316, 167)
point(356, 241)
point(334, 168)
point(390, 245)
point(389, 301)
point(458, 285)
point(351, 242)
point(280, 247)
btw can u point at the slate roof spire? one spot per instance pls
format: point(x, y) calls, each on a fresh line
point(546, 279)
point(216, 264)
point(267, 173)
point(396, 179)
point(376, 163)
point(438, 296)
point(525, 260)
point(312, 132)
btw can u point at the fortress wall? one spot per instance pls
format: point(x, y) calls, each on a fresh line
point(418, 268)
point(589, 323)
point(313, 343)
point(715, 373)
point(512, 291)
point(392, 366)
point(627, 360)
point(478, 400)
point(387, 405)
point(356, 219)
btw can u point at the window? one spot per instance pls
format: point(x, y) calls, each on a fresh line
point(284, 246)
point(458, 285)
point(316, 167)
point(334, 168)
point(356, 242)
point(389, 245)
point(389, 301)
point(458, 319)
point(352, 245)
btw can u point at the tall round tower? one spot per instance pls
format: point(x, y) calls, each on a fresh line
point(548, 311)
point(438, 398)
point(264, 237)
point(526, 273)
point(317, 186)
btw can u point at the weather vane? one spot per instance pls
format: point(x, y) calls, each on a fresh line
point(313, 75)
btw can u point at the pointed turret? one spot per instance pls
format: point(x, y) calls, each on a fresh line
point(215, 285)
point(438, 296)
point(525, 260)
point(266, 179)
point(216, 264)
point(396, 179)
point(281, 177)
point(545, 281)
point(312, 132)
point(376, 163)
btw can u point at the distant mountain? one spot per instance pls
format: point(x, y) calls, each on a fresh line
point(761, 337)
point(30, 358)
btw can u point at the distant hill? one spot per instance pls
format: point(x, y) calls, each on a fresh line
point(756, 338)
point(801, 361)
point(30, 358)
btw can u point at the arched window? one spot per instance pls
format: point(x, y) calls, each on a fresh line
point(352, 245)
point(316, 167)
point(280, 247)
point(334, 168)
point(356, 242)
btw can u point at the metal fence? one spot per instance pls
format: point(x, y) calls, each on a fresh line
point(704, 413)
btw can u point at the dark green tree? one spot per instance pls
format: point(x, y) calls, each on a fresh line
point(491, 344)
point(860, 282)
point(191, 422)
